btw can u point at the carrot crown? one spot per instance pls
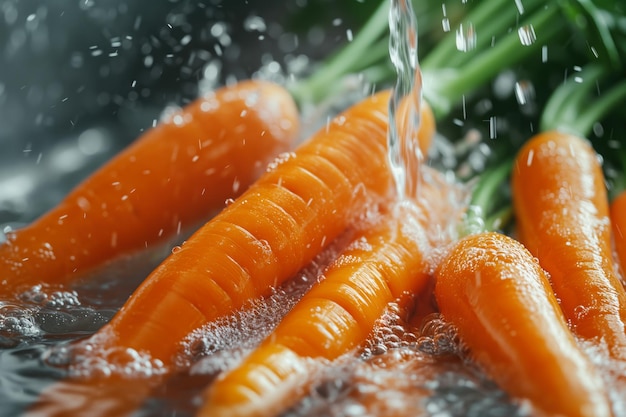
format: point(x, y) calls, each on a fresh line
point(457, 65)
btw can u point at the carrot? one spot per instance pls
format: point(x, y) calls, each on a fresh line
point(561, 208)
point(617, 210)
point(301, 204)
point(169, 180)
point(274, 229)
point(499, 298)
point(384, 263)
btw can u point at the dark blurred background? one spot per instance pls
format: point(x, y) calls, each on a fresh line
point(79, 79)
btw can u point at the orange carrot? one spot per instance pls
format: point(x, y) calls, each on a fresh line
point(383, 264)
point(499, 298)
point(273, 230)
point(302, 203)
point(172, 178)
point(562, 214)
point(618, 224)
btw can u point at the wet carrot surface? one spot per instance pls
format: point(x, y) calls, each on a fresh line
point(273, 230)
point(562, 216)
point(493, 290)
point(383, 264)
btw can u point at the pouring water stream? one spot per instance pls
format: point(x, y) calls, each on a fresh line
point(404, 153)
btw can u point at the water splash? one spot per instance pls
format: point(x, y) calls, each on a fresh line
point(405, 103)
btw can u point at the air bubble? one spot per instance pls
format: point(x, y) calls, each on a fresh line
point(437, 337)
point(232, 336)
point(17, 321)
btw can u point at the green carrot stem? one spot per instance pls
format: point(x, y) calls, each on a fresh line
point(440, 56)
point(485, 194)
point(500, 219)
point(619, 183)
point(570, 106)
point(446, 53)
point(567, 100)
point(378, 73)
point(325, 79)
point(444, 88)
point(599, 109)
point(485, 206)
point(594, 18)
point(378, 53)
point(369, 48)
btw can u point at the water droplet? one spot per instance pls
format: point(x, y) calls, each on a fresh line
point(445, 24)
point(466, 37)
point(279, 160)
point(581, 311)
point(524, 92)
point(178, 120)
point(527, 35)
point(254, 23)
point(493, 128)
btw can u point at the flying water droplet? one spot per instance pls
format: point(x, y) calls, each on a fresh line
point(524, 92)
point(466, 37)
point(445, 22)
point(527, 35)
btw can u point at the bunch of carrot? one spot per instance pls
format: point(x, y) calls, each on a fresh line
point(297, 208)
point(521, 305)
